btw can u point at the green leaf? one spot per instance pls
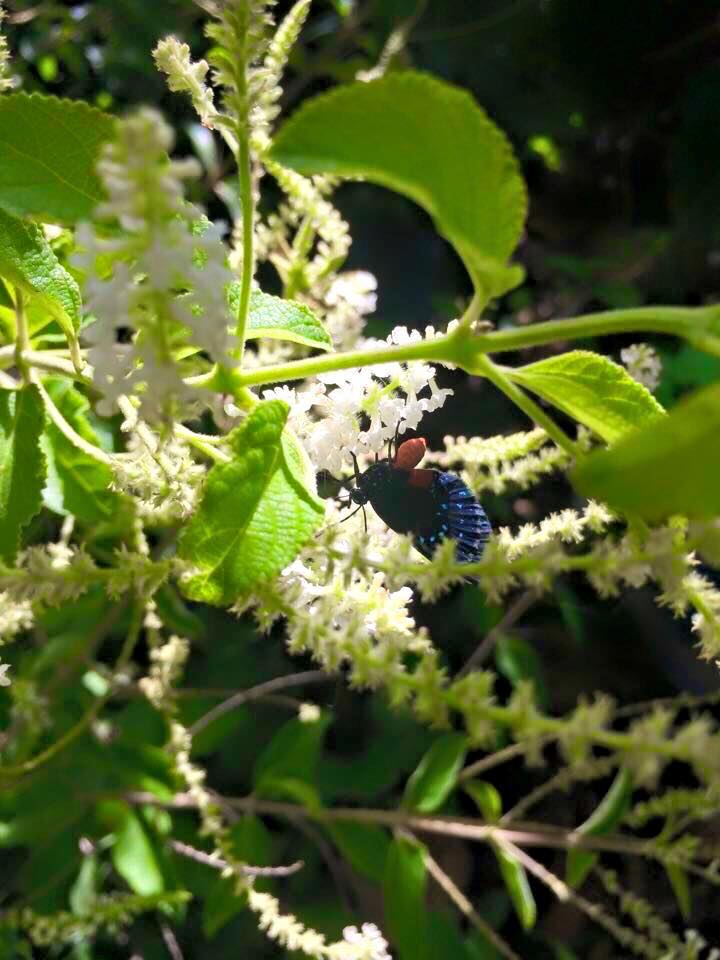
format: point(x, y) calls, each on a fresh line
point(670, 467)
point(365, 847)
point(27, 260)
point(281, 319)
point(518, 660)
point(22, 464)
point(404, 897)
point(49, 149)
point(83, 483)
point(593, 390)
point(430, 142)
point(518, 888)
point(251, 843)
point(293, 752)
point(132, 854)
point(256, 512)
point(487, 798)
point(83, 892)
point(435, 777)
point(607, 815)
point(681, 888)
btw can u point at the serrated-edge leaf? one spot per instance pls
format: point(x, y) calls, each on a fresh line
point(670, 467)
point(593, 390)
point(256, 502)
point(435, 777)
point(280, 319)
point(27, 260)
point(404, 886)
point(46, 134)
point(433, 143)
point(22, 464)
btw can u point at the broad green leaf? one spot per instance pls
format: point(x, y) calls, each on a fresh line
point(518, 660)
point(487, 798)
point(435, 777)
point(82, 482)
point(293, 751)
point(593, 390)
point(256, 512)
point(607, 815)
point(132, 854)
point(281, 319)
point(290, 788)
point(252, 843)
point(364, 846)
point(404, 898)
point(431, 142)
point(670, 467)
point(518, 888)
point(22, 464)
point(27, 260)
point(49, 149)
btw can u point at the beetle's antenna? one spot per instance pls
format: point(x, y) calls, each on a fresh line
point(353, 514)
point(356, 466)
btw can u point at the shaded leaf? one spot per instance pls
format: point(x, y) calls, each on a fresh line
point(518, 888)
point(50, 148)
point(670, 467)
point(422, 138)
point(487, 798)
point(364, 846)
point(593, 390)
point(518, 660)
point(681, 888)
point(255, 514)
point(22, 464)
point(404, 897)
point(606, 816)
point(83, 483)
point(435, 777)
point(293, 751)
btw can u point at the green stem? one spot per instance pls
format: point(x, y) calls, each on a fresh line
point(67, 430)
point(247, 205)
point(486, 368)
point(693, 323)
point(22, 337)
point(437, 349)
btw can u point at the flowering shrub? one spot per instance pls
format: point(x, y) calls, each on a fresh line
point(162, 424)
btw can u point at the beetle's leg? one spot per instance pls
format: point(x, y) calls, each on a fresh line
point(356, 466)
point(353, 514)
point(362, 505)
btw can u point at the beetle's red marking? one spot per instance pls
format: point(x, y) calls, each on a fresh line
point(421, 478)
point(410, 453)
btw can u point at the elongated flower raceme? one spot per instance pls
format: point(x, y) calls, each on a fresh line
point(157, 290)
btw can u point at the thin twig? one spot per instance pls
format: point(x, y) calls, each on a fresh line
point(512, 615)
point(254, 693)
point(493, 760)
point(173, 947)
point(217, 863)
point(455, 894)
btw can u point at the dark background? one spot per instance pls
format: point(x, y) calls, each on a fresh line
point(614, 111)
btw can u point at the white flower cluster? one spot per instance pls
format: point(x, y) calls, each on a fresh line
point(643, 364)
point(342, 397)
point(5, 81)
point(166, 664)
point(367, 943)
point(186, 76)
point(350, 297)
point(164, 482)
point(163, 281)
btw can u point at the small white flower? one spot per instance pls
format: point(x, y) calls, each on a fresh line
point(643, 364)
point(4, 678)
point(309, 713)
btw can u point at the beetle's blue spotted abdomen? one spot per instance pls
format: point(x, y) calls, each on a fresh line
point(456, 514)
